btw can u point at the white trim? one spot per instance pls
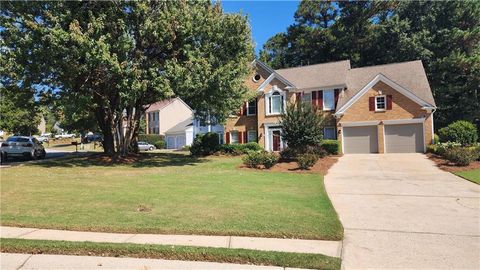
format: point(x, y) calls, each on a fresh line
point(268, 96)
point(343, 144)
point(404, 121)
point(384, 103)
point(265, 83)
point(360, 124)
point(433, 130)
point(384, 140)
point(389, 82)
point(274, 74)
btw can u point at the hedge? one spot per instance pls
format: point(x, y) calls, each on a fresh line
point(150, 138)
point(331, 146)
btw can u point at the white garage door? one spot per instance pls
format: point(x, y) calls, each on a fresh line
point(176, 141)
point(406, 138)
point(360, 140)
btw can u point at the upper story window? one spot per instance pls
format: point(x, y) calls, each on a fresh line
point(328, 100)
point(252, 107)
point(380, 103)
point(275, 101)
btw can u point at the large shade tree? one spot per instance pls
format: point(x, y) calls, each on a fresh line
point(108, 60)
point(444, 35)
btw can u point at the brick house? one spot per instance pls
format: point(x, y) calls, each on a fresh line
point(377, 109)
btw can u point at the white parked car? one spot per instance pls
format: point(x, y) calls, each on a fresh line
point(64, 136)
point(144, 146)
point(23, 146)
point(42, 138)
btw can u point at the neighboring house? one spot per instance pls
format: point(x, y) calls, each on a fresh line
point(174, 119)
point(377, 109)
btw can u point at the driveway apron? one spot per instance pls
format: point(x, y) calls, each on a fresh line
point(400, 211)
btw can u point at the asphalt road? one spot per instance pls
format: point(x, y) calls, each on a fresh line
point(51, 154)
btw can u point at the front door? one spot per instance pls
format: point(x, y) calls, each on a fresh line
point(276, 140)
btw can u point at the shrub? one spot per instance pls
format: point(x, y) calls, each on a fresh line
point(239, 149)
point(288, 153)
point(159, 144)
point(253, 159)
point(150, 138)
point(205, 144)
point(462, 132)
point(331, 146)
point(316, 150)
point(432, 148)
point(305, 161)
point(302, 126)
point(269, 159)
point(441, 148)
point(460, 156)
point(436, 139)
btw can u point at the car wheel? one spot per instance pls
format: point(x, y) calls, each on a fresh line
point(43, 154)
point(151, 148)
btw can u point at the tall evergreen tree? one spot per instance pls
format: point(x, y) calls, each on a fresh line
point(444, 35)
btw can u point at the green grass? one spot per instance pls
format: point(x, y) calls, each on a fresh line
point(472, 175)
point(167, 193)
point(241, 256)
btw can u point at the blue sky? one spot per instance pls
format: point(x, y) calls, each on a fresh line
point(266, 17)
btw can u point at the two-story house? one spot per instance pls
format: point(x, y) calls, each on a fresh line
point(376, 109)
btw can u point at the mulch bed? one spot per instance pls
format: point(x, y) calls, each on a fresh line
point(451, 167)
point(321, 167)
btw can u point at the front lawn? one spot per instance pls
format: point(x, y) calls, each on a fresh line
point(472, 175)
point(167, 193)
point(241, 256)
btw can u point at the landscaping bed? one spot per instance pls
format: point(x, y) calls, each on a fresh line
point(470, 172)
point(170, 193)
point(321, 166)
point(223, 255)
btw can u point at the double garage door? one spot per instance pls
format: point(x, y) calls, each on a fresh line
point(175, 141)
point(404, 138)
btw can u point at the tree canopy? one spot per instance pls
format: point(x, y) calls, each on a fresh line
point(107, 60)
point(444, 35)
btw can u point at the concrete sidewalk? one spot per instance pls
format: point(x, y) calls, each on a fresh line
point(14, 261)
point(329, 248)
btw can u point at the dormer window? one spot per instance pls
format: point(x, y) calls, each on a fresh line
point(380, 103)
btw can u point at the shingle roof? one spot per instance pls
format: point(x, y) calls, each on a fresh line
point(319, 75)
point(410, 75)
point(180, 127)
point(159, 105)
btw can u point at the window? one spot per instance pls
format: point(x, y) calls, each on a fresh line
point(220, 137)
point(233, 136)
point(252, 136)
point(328, 100)
point(252, 107)
point(307, 98)
point(276, 103)
point(380, 103)
point(329, 133)
point(256, 78)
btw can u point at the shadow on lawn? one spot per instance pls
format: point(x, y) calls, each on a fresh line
point(141, 160)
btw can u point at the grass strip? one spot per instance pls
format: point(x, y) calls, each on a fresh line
point(472, 175)
point(223, 255)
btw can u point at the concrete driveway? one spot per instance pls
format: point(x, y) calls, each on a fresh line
point(400, 211)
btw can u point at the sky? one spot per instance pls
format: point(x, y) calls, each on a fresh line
point(267, 18)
